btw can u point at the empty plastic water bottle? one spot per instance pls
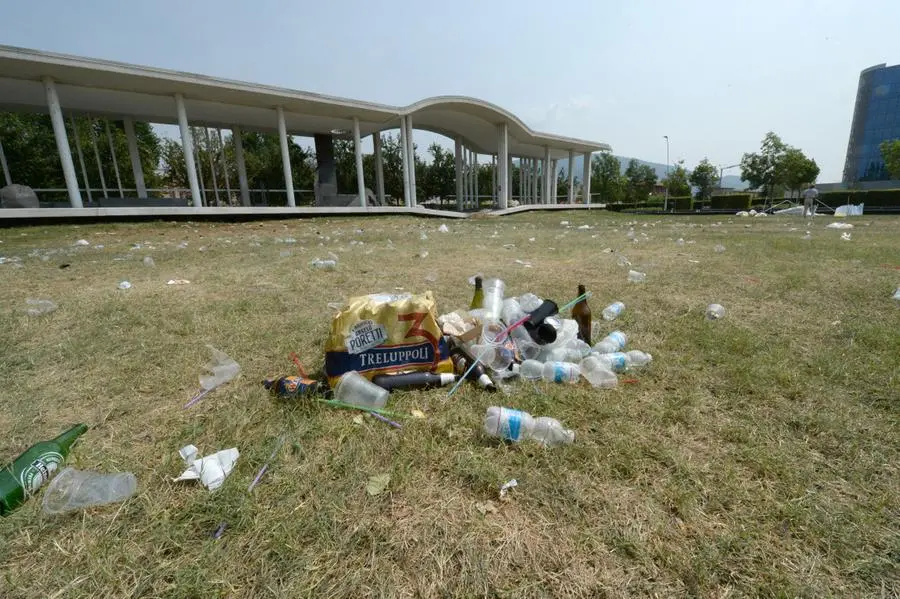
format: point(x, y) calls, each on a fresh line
point(324, 264)
point(616, 361)
point(612, 311)
point(565, 354)
point(561, 372)
point(515, 425)
point(613, 342)
point(638, 359)
point(597, 374)
point(531, 370)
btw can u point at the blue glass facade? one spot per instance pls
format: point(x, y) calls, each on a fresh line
point(876, 118)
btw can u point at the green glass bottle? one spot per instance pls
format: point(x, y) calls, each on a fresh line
point(21, 478)
point(478, 298)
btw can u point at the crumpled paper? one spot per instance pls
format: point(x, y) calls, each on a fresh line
point(210, 470)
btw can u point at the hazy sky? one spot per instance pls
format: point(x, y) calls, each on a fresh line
point(713, 75)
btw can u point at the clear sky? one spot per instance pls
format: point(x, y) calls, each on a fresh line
point(714, 76)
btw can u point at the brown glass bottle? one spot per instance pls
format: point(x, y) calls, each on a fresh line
point(581, 313)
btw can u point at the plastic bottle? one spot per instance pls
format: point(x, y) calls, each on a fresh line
point(638, 359)
point(597, 374)
point(531, 370)
point(324, 264)
point(493, 297)
point(636, 277)
point(25, 475)
point(561, 372)
point(413, 380)
point(613, 342)
point(583, 349)
point(76, 490)
point(515, 425)
point(616, 361)
point(564, 354)
point(612, 311)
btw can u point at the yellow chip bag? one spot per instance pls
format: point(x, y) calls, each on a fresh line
point(386, 334)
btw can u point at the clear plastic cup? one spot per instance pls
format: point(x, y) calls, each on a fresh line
point(493, 297)
point(74, 489)
point(495, 357)
point(355, 389)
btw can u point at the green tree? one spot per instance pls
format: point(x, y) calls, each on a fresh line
point(562, 186)
point(760, 169)
point(606, 178)
point(640, 180)
point(890, 151)
point(677, 182)
point(795, 170)
point(705, 178)
point(440, 175)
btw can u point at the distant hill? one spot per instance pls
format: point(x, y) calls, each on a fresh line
point(728, 181)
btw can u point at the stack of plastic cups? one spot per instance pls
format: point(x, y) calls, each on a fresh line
point(512, 312)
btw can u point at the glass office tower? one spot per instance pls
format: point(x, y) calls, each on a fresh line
point(876, 118)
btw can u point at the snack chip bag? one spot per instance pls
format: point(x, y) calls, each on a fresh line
point(386, 334)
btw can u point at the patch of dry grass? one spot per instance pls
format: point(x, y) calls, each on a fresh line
point(756, 457)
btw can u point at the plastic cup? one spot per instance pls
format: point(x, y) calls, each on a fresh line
point(74, 489)
point(355, 389)
point(495, 357)
point(493, 297)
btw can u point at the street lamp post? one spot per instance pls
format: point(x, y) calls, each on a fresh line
point(666, 202)
point(722, 170)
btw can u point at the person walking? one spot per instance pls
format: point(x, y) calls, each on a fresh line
point(809, 200)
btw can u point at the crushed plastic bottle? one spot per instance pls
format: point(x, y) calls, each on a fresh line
point(597, 374)
point(515, 425)
point(613, 342)
point(324, 264)
point(636, 277)
point(612, 311)
point(715, 312)
point(637, 359)
point(77, 490)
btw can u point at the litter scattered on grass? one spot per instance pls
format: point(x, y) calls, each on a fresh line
point(148, 261)
point(715, 312)
point(39, 307)
point(443, 229)
point(125, 285)
point(636, 277)
point(82, 242)
point(178, 282)
point(505, 487)
point(378, 484)
point(845, 236)
point(838, 225)
point(210, 470)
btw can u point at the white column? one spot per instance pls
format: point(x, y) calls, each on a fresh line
point(548, 167)
point(404, 155)
point(212, 166)
point(554, 198)
point(286, 158)
point(224, 165)
point(509, 171)
point(475, 190)
point(571, 176)
point(535, 163)
point(97, 158)
point(360, 175)
point(62, 143)
point(4, 166)
point(187, 145)
point(586, 177)
point(87, 184)
point(112, 153)
point(241, 165)
point(199, 169)
point(503, 159)
point(459, 177)
point(135, 156)
point(411, 145)
point(379, 168)
point(493, 180)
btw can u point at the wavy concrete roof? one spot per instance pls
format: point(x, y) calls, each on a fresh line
point(116, 90)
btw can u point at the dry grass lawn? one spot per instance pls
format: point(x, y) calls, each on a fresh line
point(757, 457)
